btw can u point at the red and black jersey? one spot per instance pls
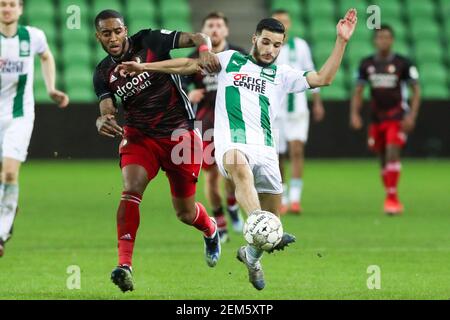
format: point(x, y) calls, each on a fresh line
point(154, 103)
point(388, 79)
point(205, 109)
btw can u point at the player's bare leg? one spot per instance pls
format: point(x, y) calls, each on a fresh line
point(296, 154)
point(194, 214)
point(237, 166)
point(9, 196)
point(212, 193)
point(135, 181)
point(233, 206)
point(392, 169)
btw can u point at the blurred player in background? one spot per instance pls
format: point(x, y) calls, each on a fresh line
point(292, 123)
point(156, 107)
point(250, 89)
point(18, 47)
point(388, 75)
point(214, 25)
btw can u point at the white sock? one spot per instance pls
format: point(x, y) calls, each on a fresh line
point(253, 254)
point(285, 198)
point(8, 209)
point(295, 190)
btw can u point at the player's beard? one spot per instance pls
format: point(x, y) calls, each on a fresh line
point(257, 55)
point(121, 54)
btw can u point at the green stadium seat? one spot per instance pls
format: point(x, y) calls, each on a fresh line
point(425, 52)
point(76, 55)
point(433, 74)
point(134, 25)
point(83, 93)
point(359, 5)
point(428, 29)
point(326, 28)
point(435, 92)
point(323, 9)
point(140, 10)
point(36, 8)
point(387, 5)
point(298, 28)
point(175, 10)
point(84, 35)
point(99, 54)
point(402, 48)
point(181, 53)
point(100, 5)
point(334, 92)
point(293, 6)
point(420, 8)
point(177, 24)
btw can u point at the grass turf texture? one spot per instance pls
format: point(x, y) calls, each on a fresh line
point(67, 217)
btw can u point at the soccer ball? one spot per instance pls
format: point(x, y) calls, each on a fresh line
point(263, 230)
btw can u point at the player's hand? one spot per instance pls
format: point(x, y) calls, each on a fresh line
point(209, 62)
point(197, 95)
point(408, 123)
point(129, 68)
point(107, 126)
point(356, 122)
point(59, 98)
point(347, 25)
point(318, 112)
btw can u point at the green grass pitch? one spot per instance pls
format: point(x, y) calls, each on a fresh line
point(67, 217)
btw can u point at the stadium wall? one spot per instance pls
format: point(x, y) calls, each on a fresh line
point(71, 134)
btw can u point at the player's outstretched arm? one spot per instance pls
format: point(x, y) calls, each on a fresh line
point(326, 74)
point(203, 43)
point(356, 104)
point(49, 74)
point(182, 66)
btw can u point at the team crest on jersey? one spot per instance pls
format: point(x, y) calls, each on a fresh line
point(391, 68)
point(268, 74)
point(24, 47)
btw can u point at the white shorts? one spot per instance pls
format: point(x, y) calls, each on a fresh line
point(291, 128)
point(263, 162)
point(15, 135)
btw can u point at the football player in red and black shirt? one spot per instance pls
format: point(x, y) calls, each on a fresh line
point(203, 97)
point(158, 118)
point(388, 75)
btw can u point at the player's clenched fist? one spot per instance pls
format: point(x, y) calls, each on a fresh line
point(107, 126)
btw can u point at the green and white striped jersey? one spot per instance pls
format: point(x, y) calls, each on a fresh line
point(17, 71)
point(249, 97)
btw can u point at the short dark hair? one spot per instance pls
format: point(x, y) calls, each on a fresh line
point(270, 24)
point(385, 27)
point(280, 11)
point(108, 14)
point(215, 15)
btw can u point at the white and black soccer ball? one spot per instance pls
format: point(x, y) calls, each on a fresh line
point(263, 229)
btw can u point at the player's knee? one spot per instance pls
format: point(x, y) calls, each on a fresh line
point(134, 187)
point(9, 177)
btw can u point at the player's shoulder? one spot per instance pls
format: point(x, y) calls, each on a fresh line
point(227, 54)
point(367, 59)
point(237, 48)
point(401, 58)
point(104, 64)
point(34, 31)
point(300, 43)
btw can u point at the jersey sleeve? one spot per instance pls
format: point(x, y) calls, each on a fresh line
point(39, 41)
point(101, 89)
point(362, 76)
point(410, 73)
point(294, 81)
point(162, 40)
point(224, 58)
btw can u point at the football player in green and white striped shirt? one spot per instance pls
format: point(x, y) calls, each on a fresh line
point(250, 93)
point(18, 46)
